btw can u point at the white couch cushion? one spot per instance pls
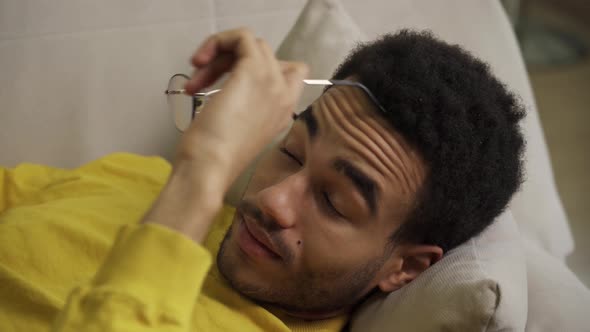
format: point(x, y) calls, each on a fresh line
point(558, 301)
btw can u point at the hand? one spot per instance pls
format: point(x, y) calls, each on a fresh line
point(255, 104)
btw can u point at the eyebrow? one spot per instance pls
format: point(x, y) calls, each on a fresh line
point(310, 121)
point(363, 183)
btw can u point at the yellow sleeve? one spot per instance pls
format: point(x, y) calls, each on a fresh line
point(149, 282)
point(23, 182)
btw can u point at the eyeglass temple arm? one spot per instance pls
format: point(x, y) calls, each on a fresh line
point(198, 94)
point(348, 83)
point(321, 82)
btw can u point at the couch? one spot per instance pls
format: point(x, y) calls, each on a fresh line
point(82, 79)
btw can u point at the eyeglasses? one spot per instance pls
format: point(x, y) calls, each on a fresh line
point(185, 107)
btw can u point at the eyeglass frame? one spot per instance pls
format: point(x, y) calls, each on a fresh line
point(199, 96)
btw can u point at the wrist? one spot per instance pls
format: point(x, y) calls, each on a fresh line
point(189, 202)
point(219, 158)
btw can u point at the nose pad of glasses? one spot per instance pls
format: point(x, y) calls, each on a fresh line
point(197, 105)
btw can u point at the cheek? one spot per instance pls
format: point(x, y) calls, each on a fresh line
point(337, 248)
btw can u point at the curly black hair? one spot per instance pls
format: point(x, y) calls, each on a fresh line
point(463, 120)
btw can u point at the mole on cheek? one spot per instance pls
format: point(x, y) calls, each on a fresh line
point(299, 242)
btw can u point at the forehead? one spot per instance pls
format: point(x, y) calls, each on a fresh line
point(348, 103)
point(348, 122)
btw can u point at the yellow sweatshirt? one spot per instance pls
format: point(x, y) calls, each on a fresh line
point(73, 257)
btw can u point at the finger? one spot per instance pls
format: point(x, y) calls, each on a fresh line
point(269, 58)
point(209, 74)
point(240, 42)
point(264, 48)
point(204, 53)
point(294, 74)
point(292, 70)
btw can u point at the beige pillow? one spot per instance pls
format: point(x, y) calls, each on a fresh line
point(321, 37)
point(480, 285)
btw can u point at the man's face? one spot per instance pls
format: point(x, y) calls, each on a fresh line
point(311, 233)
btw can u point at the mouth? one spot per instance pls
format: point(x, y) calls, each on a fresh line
point(254, 241)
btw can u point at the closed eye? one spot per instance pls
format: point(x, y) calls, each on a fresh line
point(325, 197)
point(290, 155)
point(331, 206)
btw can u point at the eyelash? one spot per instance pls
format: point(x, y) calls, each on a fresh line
point(330, 206)
point(290, 155)
point(327, 202)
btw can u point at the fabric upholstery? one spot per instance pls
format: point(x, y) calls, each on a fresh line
point(478, 286)
point(558, 300)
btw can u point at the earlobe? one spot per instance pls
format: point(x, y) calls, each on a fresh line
point(392, 282)
point(410, 262)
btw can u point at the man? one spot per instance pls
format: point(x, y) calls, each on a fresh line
point(360, 196)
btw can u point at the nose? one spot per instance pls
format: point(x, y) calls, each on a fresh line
point(282, 200)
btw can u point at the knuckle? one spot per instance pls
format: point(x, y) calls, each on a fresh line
point(303, 68)
point(245, 32)
point(211, 39)
point(263, 44)
point(299, 68)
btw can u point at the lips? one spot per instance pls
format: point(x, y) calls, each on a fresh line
point(260, 236)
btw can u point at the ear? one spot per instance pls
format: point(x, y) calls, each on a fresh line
point(406, 263)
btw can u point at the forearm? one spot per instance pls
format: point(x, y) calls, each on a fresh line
point(190, 200)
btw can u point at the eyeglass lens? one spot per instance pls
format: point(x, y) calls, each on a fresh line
point(183, 107)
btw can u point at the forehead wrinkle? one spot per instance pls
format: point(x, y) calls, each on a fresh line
point(402, 155)
point(328, 117)
point(373, 147)
point(401, 159)
point(357, 134)
point(393, 163)
point(352, 131)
